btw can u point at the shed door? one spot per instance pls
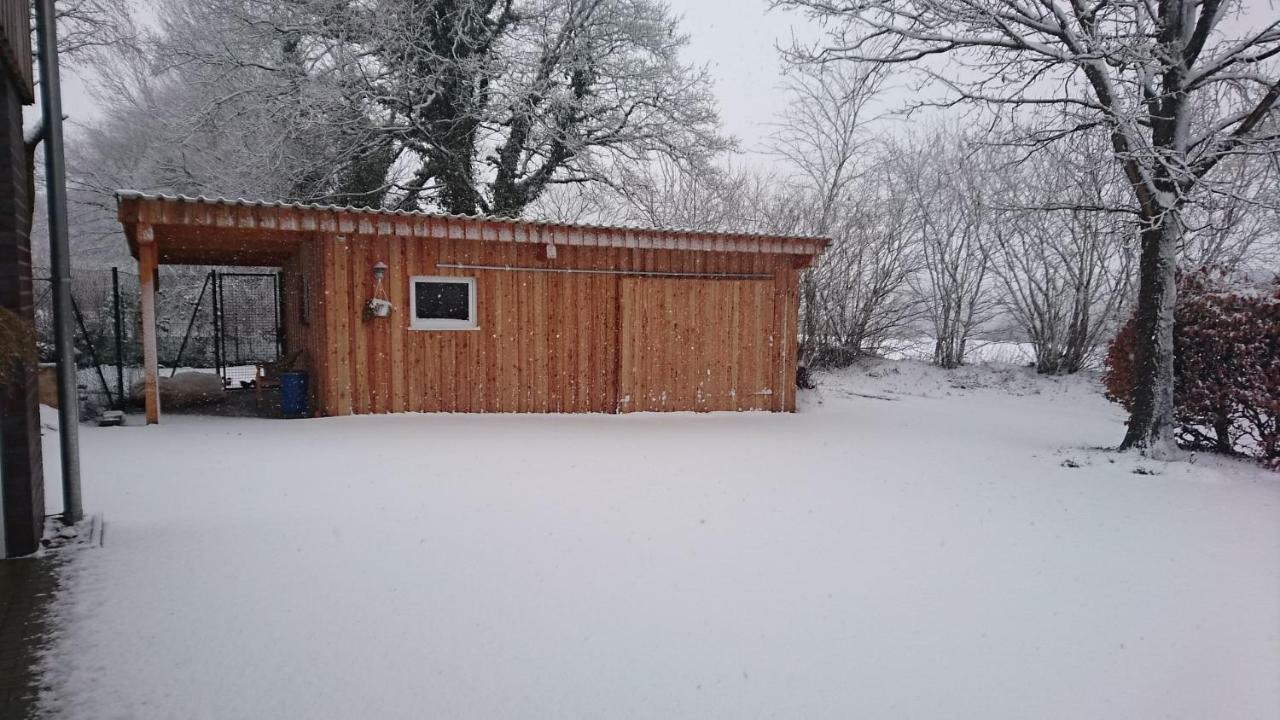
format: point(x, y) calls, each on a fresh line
point(697, 344)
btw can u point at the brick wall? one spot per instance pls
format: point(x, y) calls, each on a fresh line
point(21, 475)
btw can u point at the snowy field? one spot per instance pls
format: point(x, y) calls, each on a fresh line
point(913, 544)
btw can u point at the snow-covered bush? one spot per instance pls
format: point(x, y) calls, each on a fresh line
point(1226, 365)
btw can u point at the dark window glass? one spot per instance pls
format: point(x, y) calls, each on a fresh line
point(442, 300)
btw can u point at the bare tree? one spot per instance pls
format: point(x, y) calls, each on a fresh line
point(662, 192)
point(1234, 225)
point(85, 30)
point(1061, 249)
point(576, 203)
point(1177, 85)
point(158, 133)
point(822, 135)
point(88, 26)
point(944, 182)
point(863, 295)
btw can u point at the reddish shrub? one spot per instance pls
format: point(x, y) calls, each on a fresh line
point(1226, 367)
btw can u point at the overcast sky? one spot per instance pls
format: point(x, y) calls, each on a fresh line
point(737, 40)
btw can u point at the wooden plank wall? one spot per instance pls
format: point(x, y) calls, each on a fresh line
point(304, 324)
point(547, 342)
point(676, 335)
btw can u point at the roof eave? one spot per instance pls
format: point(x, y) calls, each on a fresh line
point(137, 207)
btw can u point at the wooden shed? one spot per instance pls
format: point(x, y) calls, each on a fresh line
point(497, 315)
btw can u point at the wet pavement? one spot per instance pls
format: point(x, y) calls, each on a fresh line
point(26, 588)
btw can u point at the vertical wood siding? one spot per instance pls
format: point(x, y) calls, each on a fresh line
point(304, 325)
point(550, 342)
point(674, 347)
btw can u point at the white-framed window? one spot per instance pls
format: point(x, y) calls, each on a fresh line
point(442, 303)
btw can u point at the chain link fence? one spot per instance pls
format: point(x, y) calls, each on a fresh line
point(221, 323)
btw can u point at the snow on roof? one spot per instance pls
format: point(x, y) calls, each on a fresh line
point(125, 194)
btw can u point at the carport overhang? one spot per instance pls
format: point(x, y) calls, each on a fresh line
point(163, 232)
point(181, 233)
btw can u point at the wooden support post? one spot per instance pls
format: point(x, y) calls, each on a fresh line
point(147, 264)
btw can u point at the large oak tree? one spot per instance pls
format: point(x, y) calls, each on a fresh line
point(483, 103)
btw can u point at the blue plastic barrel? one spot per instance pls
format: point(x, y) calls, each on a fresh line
point(293, 394)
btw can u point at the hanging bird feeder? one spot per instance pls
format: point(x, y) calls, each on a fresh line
point(379, 306)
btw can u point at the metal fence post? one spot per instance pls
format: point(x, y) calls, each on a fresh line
point(217, 323)
point(275, 296)
point(119, 327)
point(93, 354)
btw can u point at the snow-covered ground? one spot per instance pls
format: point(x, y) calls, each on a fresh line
point(913, 544)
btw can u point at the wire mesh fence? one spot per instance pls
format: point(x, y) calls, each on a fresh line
point(209, 321)
point(248, 322)
point(105, 330)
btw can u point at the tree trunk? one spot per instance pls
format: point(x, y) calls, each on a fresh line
point(457, 195)
point(1151, 414)
point(1222, 433)
point(809, 341)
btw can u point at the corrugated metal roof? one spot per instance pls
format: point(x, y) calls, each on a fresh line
point(122, 195)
